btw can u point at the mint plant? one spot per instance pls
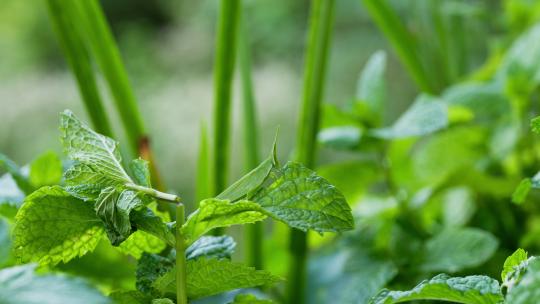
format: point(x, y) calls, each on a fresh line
point(100, 196)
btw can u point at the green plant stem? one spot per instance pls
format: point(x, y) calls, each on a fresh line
point(254, 232)
point(155, 193)
point(223, 77)
point(395, 31)
point(78, 59)
point(95, 27)
point(320, 28)
point(181, 283)
point(203, 170)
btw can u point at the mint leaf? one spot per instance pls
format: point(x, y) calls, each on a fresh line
point(162, 301)
point(21, 285)
point(512, 262)
point(426, 115)
point(147, 221)
point(522, 190)
point(206, 277)
point(371, 87)
point(52, 227)
point(46, 170)
point(526, 290)
point(300, 198)
point(249, 299)
point(457, 249)
point(113, 207)
point(214, 213)
point(140, 171)
point(514, 276)
point(139, 242)
point(150, 267)
point(211, 247)
point(98, 159)
point(467, 290)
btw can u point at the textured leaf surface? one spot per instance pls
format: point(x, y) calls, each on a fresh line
point(526, 291)
point(149, 268)
point(206, 277)
point(456, 249)
point(425, 116)
point(20, 285)
point(46, 170)
point(99, 162)
point(53, 227)
point(153, 223)
point(113, 207)
point(211, 247)
point(467, 290)
point(512, 262)
point(214, 213)
point(304, 200)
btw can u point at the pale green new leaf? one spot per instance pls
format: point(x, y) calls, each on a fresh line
point(141, 172)
point(512, 262)
point(206, 277)
point(139, 242)
point(426, 115)
point(211, 247)
point(21, 285)
point(300, 198)
point(516, 273)
point(535, 125)
point(113, 207)
point(371, 87)
point(467, 290)
point(526, 290)
point(97, 156)
point(215, 213)
point(456, 249)
point(53, 226)
point(46, 170)
point(340, 137)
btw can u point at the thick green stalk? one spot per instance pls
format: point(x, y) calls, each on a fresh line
point(181, 283)
point(395, 31)
point(320, 28)
point(91, 19)
point(223, 78)
point(79, 61)
point(254, 232)
point(203, 169)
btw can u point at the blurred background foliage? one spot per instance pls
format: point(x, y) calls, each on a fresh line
point(168, 48)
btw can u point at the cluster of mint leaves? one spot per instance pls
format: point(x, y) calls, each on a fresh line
point(99, 196)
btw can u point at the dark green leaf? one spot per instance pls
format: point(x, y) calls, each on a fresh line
point(15, 171)
point(211, 247)
point(300, 198)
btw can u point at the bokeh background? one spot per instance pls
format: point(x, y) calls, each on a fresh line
point(168, 48)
